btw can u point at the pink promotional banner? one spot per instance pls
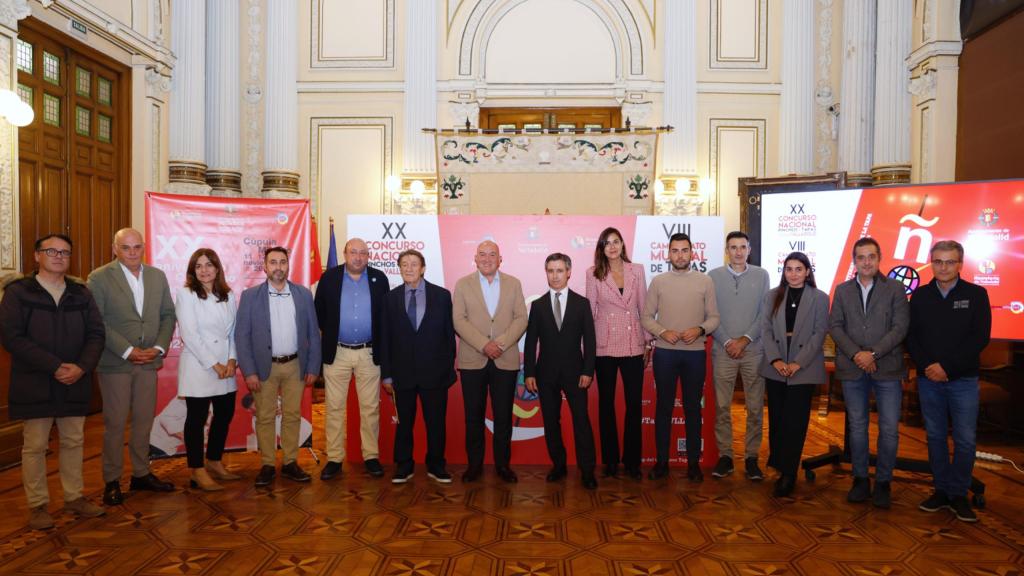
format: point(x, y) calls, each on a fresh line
point(449, 244)
point(239, 230)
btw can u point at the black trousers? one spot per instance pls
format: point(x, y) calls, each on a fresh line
point(673, 368)
point(551, 409)
point(502, 387)
point(607, 369)
point(196, 412)
point(789, 411)
point(434, 403)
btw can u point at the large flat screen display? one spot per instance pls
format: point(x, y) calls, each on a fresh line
point(986, 217)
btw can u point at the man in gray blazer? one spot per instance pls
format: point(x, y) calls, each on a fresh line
point(277, 339)
point(138, 314)
point(869, 320)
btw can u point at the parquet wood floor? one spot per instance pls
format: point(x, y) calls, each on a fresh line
point(357, 525)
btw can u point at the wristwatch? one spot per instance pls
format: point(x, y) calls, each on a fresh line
point(703, 332)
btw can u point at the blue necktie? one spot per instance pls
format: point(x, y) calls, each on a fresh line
point(412, 309)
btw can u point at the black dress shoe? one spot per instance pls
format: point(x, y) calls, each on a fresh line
point(112, 495)
point(695, 474)
point(556, 474)
point(373, 468)
point(610, 471)
point(331, 469)
point(472, 473)
point(784, 486)
point(266, 476)
point(150, 482)
point(292, 472)
point(634, 473)
point(506, 474)
point(659, 471)
point(589, 482)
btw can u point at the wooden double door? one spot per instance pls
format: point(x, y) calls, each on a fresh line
point(74, 158)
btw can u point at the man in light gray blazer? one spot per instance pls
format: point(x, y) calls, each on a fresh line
point(138, 314)
point(869, 320)
point(277, 340)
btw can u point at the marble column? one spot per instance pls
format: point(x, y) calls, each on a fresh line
point(857, 95)
point(892, 96)
point(280, 140)
point(679, 147)
point(187, 154)
point(796, 124)
point(223, 99)
point(421, 42)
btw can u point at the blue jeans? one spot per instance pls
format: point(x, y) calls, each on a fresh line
point(942, 402)
point(888, 395)
point(674, 368)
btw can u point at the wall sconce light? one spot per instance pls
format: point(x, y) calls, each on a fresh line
point(417, 187)
point(15, 110)
point(392, 183)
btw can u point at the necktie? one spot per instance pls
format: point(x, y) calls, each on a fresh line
point(558, 310)
point(412, 309)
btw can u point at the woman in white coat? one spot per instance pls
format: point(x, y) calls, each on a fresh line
point(206, 369)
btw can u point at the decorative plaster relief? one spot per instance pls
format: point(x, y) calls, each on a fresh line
point(252, 180)
point(824, 93)
point(13, 10)
point(462, 111)
point(637, 113)
point(923, 86)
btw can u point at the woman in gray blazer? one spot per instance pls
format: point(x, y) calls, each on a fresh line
point(793, 333)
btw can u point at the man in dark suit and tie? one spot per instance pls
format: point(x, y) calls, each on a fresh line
point(277, 339)
point(562, 322)
point(418, 361)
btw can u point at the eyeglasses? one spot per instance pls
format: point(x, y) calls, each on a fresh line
point(941, 263)
point(54, 253)
point(281, 294)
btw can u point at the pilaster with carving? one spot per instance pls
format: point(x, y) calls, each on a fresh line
point(933, 68)
point(11, 11)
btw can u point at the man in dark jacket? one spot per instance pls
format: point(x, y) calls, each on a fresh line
point(950, 324)
point(53, 330)
point(868, 323)
point(349, 305)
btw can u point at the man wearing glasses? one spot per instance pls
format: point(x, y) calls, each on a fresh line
point(950, 323)
point(349, 308)
point(50, 325)
point(282, 360)
point(138, 314)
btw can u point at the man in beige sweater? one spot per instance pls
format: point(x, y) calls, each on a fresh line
point(681, 311)
point(489, 314)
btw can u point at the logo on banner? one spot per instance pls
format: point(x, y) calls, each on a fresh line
point(282, 218)
point(907, 276)
point(393, 230)
point(907, 234)
point(988, 216)
point(797, 222)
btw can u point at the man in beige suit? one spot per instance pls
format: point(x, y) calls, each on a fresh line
point(489, 313)
point(138, 313)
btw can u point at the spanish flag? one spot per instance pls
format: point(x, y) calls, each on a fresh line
point(315, 267)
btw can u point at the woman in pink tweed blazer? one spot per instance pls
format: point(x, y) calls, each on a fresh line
point(616, 289)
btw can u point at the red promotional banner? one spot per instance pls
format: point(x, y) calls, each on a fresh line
point(985, 217)
point(449, 244)
point(238, 229)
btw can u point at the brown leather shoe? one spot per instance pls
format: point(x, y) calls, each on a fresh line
point(292, 472)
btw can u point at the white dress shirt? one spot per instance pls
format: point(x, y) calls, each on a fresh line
point(492, 292)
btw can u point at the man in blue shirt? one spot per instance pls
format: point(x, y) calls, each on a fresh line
point(349, 301)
